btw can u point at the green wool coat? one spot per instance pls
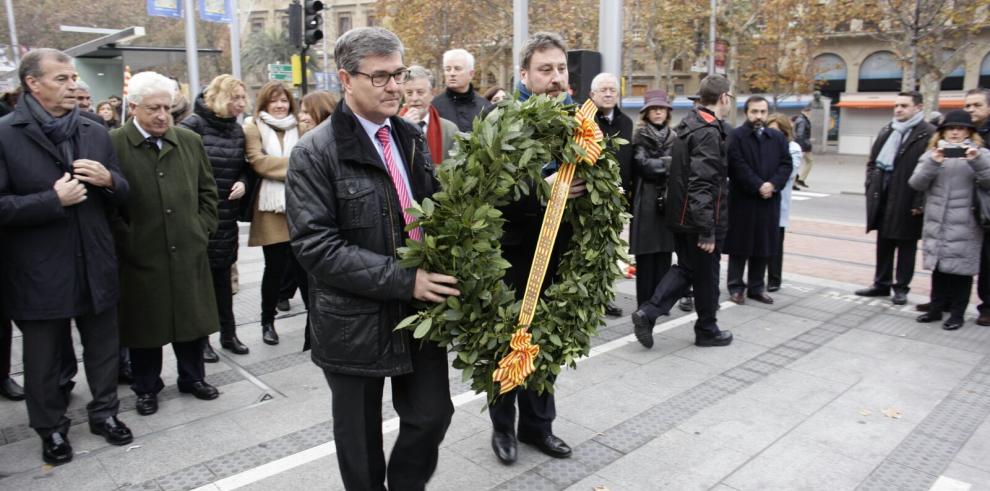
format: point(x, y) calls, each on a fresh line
point(165, 282)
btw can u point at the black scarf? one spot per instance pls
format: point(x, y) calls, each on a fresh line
point(61, 131)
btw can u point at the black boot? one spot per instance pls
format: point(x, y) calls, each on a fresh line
point(231, 343)
point(268, 334)
point(209, 356)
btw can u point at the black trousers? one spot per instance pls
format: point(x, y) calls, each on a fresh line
point(754, 282)
point(288, 288)
point(952, 291)
point(45, 369)
point(279, 261)
point(696, 268)
point(775, 264)
point(983, 281)
point(650, 269)
point(885, 276)
point(422, 400)
point(536, 413)
point(225, 301)
point(146, 365)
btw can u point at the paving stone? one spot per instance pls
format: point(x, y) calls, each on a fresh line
point(188, 478)
point(233, 463)
point(563, 472)
point(902, 477)
point(528, 481)
point(595, 455)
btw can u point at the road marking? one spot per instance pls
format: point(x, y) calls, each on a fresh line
point(948, 484)
point(327, 449)
point(808, 194)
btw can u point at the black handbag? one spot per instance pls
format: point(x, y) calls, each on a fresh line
point(245, 207)
point(981, 206)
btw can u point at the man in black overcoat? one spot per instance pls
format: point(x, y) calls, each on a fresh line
point(759, 167)
point(59, 183)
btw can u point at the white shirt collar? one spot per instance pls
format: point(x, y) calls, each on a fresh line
point(372, 128)
point(147, 135)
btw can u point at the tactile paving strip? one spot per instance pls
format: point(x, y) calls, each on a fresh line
point(932, 445)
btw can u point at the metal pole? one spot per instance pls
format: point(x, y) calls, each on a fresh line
point(520, 32)
point(192, 54)
point(302, 63)
point(711, 39)
point(14, 47)
point(235, 39)
point(610, 36)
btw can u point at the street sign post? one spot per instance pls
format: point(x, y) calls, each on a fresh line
point(280, 72)
point(281, 77)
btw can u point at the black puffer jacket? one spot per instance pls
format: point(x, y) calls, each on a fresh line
point(346, 224)
point(652, 146)
point(223, 139)
point(460, 108)
point(696, 188)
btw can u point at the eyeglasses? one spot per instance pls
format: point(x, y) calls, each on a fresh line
point(381, 79)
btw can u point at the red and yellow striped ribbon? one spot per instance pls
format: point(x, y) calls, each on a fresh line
point(519, 363)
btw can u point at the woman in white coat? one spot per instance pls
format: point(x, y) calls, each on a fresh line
point(775, 266)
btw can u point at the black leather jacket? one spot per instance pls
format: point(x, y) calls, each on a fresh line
point(346, 224)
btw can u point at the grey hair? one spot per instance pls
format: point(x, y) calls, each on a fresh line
point(145, 84)
point(541, 41)
point(417, 72)
point(31, 63)
point(602, 78)
point(459, 53)
point(83, 86)
point(357, 44)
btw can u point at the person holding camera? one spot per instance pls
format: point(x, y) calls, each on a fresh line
point(893, 209)
point(952, 238)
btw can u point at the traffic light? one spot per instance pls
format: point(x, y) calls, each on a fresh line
point(312, 22)
point(295, 24)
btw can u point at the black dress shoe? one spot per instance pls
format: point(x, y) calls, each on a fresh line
point(929, 317)
point(737, 298)
point(125, 376)
point(209, 356)
point(773, 288)
point(801, 183)
point(613, 310)
point(11, 390)
point(113, 430)
point(55, 449)
point(900, 298)
point(924, 307)
point(761, 297)
point(550, 445)
point(201, 390)
point(504, 445)
point(723, 338)
point(983, 319)
point(686, 304)
point(234, 345)
point(268, 334)
point(283, 305)
point(874, 291)
point(146, 404)
point(643, 328)
point(952, 324)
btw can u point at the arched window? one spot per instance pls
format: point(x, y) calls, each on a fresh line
point(954, 79)
point(880, 72)
point(830, 72)
point(985, 71)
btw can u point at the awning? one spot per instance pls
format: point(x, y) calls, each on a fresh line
point(951, 100)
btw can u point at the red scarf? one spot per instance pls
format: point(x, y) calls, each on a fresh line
point(434, 135)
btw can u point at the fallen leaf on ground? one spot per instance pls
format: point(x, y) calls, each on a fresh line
point(892, 413)
point(133, 447)
point(866, 412)
point(600, 488)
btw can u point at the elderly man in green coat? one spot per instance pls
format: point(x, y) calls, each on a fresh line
point(166, 287)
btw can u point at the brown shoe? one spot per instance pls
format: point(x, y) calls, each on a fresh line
point(983, 319)
point(922, 307)
point(762, 297)
point(738, 298)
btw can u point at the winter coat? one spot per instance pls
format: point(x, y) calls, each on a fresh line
point(648, 233)
point(166, 284)
point(797, 158)
point(267, 227)
point(622, 127)
point(952, 238)
point(223, 140)
point(460, 108)
point(41, 241)
point(696, 186)
point(889, 211)
point(754, 159)
point(346, 226)
point(802, 132)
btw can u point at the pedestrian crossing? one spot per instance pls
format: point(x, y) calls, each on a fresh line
point(806, 195)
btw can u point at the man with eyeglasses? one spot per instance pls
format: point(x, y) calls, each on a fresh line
point(459, 103)
point(696, 214)
point(612, 121)
point(347, 189)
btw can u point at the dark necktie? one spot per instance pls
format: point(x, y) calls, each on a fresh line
point(422, 127)
point(152, 142)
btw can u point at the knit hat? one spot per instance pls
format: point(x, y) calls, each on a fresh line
point(656, 98)
point(957, 118)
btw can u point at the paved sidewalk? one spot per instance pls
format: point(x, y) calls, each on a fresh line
point(822, 390)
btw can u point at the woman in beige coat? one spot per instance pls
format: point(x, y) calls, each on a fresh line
point(269, 138)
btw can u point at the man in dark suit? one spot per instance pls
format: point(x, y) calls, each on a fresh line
point(58, 181)
point(759, 167)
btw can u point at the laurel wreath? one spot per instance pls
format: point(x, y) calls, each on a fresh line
point(462, 226)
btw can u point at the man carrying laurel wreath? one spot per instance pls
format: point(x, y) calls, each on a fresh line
point(347, 187)
point(543, 71)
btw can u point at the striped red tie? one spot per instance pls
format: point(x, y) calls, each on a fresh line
point(400, 185)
